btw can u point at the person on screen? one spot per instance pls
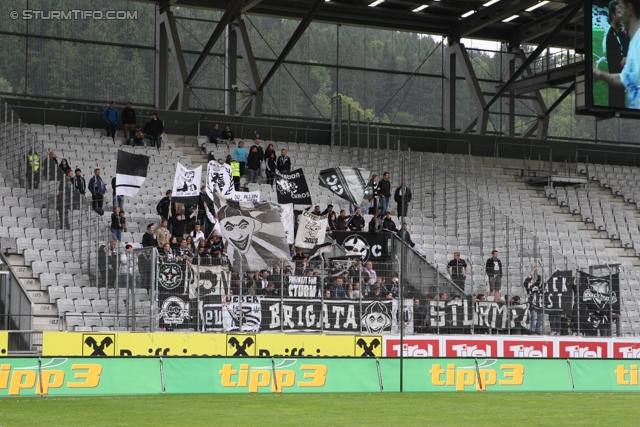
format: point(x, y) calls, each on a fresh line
point(629, 77)
point(617, 43)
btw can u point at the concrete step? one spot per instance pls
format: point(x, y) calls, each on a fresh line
point(39, 297)
point(30, 284)
point(23, 272)
point(45, 309)
point(46, 323)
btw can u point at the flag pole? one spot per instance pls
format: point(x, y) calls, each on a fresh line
point(401, 279)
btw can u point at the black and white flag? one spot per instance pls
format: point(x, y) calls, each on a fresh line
point(230, 313)
point(285, 212)
point(292, 188)
point(558, 292)
point(253, 233)
point(599, 293)
point(219, 180)
point(186, 184)
point(208, 280)
point(311, 230)
point(348, 183)
point(131, 171)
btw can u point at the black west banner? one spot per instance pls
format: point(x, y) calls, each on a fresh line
point(463, 314)
point(558, 292)
point(292, 188)
point(228, 313)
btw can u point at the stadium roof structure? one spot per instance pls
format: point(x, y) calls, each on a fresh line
point(512, 21)
point(543, 24)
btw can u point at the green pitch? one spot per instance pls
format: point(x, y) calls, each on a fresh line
point(383, 409)
point(600, 88)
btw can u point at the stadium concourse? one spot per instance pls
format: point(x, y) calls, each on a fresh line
point(461, 203)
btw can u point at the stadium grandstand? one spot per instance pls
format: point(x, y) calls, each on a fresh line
point(520, 214)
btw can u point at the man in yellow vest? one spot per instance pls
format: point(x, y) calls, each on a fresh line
point(235, 172)
point(33, 168)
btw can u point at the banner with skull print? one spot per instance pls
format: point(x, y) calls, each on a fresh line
point(186, 184)
point(311, 230)
point(599, 298)
point(253, 233)
point(292, 188)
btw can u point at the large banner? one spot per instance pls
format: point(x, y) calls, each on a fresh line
point(255, 314)
point(311, 230)
point(186, 184)
point(461, 315)
point(253, 233)
point(292, 188)
point(373, 246)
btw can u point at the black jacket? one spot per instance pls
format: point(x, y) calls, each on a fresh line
point(489, 268)
point(253, 161)
point(357, 223)
point(384, 188)
point(270, 166)
point(389, 225)
point(162, 208)
point(283, 164)
point(227, 135)
point(404, 235)
point(260, 151)
point(398, 198)
point(154, 127)
point(149, 240)
point(128, 116)
point(79, 183)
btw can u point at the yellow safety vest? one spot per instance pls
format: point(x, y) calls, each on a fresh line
point(34, 162)
point(235, 168)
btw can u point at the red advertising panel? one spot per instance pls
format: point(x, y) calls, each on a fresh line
point(527, 348)
point(626, 350)
point(471, 348)
point(583, 349)
point(413, 348)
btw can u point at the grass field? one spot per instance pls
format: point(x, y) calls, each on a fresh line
point(600, 88)
point(509, 409)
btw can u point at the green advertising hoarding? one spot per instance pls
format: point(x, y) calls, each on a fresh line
point(446, 375)
point(79, 376)
point(214, 375)
point(605, 374)
point(262, 375)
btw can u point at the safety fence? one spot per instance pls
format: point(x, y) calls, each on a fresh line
point(167, 375)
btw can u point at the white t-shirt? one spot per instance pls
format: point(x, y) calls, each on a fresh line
point(630, 74)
